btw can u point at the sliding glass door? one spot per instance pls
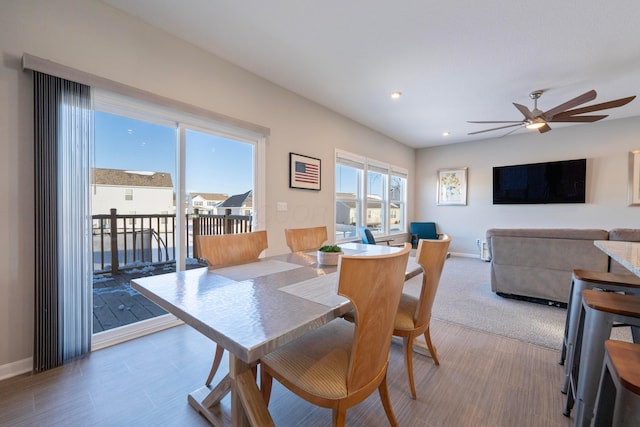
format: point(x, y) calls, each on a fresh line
point(160, 177)
point(133, 214)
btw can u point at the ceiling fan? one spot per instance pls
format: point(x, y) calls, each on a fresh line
point(565, 112)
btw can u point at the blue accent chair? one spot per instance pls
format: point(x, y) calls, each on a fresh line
point(367, 236)
point(422, 230)
point(368, 239)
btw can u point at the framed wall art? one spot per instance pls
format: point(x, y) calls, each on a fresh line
point(634, 178)
point(304, 172)
point(452, 186)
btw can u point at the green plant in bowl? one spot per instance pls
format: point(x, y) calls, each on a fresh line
point(329, 254)
point(330, 248)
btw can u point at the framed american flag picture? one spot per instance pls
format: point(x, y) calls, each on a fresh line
point(304, 172)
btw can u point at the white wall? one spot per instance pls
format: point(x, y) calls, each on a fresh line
point(91, 36)
point(605, 145)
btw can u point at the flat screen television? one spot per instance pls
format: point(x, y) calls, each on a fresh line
point(534, 183)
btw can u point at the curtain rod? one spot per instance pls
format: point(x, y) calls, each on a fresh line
point(34, 63)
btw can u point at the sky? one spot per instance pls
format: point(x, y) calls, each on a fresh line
point(213, 164)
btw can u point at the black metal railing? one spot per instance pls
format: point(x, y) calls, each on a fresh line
point(125, 239)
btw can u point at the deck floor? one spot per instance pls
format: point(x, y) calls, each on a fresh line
point(115, 304)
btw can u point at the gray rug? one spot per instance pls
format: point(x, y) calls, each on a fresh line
point(464, 297)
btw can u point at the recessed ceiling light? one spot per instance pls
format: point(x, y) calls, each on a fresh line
point(395, 95)
point(445, 133)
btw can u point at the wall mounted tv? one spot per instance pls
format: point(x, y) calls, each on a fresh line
point(534, 183)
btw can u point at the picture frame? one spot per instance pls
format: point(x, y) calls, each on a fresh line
point(634, 178)
point(452, 186)
point(304, 172)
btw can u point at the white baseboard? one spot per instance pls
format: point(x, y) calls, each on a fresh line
point(16, 368)
point(102, 340)
point(465, 255)
point(136, 330)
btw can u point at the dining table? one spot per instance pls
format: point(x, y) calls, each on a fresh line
point(250, 310)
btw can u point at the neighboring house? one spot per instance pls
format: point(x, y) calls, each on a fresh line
point(131, 192)
point(206, 203)
point(240, 204)
point(346, 213)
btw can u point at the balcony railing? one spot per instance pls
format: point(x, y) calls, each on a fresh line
point(150, 238)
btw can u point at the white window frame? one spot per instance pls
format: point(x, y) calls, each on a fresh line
point(113, 103)
point(402, 202)
point(361, 199)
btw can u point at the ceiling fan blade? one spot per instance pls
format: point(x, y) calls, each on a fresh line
point(597, 107)
point(585, 97)
point(501, 127)
point(510, 132)
point(525, 111)
point(501, 121)
point(577, 119)
point(545, 128)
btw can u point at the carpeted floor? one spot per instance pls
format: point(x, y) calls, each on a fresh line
point(464, 297)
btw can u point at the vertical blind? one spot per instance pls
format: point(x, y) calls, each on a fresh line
point(62, 154)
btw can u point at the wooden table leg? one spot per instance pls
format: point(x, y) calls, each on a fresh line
point(247, 405)
point(207, 402)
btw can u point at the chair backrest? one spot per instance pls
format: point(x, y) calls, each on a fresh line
point(228, 249)
point(305, 239)
point(431, 255)
point(367, 236)
point(424, 230)
point(374, 286)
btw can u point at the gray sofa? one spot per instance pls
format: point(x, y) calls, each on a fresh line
point(537, 263)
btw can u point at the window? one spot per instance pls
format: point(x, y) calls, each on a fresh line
point(377, 178)
point(128, 194)
point(382, 209)
point(397, 200)
point(197, 203)
point(349, 189)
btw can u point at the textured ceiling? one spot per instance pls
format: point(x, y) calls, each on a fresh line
point(453, 61)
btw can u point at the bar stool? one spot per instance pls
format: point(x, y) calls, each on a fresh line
point(618, 401)
point(587, 279)
point(599, 312)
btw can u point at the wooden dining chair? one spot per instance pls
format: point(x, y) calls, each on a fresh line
point(414, 314)
point(341, 363)
point(229, 249)
point(305, 239)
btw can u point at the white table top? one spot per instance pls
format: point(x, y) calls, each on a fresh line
point(626, 253)
point(252, 309)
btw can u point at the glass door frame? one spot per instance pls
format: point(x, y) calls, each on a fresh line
point(142, 110)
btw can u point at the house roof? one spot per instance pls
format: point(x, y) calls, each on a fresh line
point(211, 196)
point(125, 178)
point(238, 201)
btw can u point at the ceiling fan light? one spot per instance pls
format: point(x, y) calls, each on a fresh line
point(535, 125)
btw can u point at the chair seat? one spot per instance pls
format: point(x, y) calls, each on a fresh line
point(318, 361)
point(406, 311)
